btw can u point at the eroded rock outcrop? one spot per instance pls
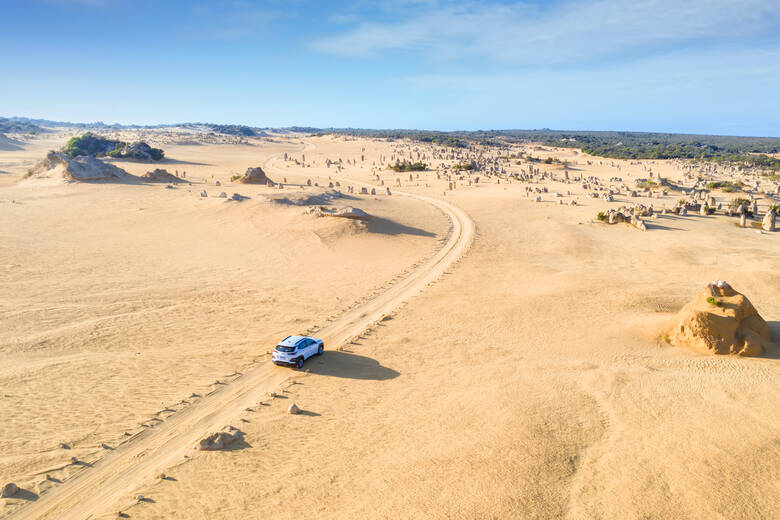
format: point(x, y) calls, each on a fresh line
point(345, 212)
point(255, 176)
point(219, 440)
point(160, 175)
point(9, 490)
point(720, 320)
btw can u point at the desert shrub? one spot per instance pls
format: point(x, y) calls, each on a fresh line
point(713, 301)
point(463, 166)
point(97, 146)
point(407, 166)
point(736, 203)
point(602, 216)
point(728, 187)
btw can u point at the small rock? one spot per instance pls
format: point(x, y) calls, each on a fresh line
point(139, 498)
point(10, 490)
point(219, 440)
point(293, 409)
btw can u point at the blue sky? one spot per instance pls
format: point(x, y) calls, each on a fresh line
point(703, 66)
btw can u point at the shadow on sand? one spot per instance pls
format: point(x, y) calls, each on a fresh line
point(178, 161)
point(24, 494)
point(350, 366)
point(774, 353)
point(390, 227)
point(653, 225)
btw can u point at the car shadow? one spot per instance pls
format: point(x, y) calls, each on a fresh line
point(350, 366)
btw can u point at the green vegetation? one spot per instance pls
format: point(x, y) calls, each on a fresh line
point(234, 178)
point(726, 186)
point(449, 139)
point(713, 301)
point(736, 203)
point(646, 184)
point(89, 144)
point(407, 166)
point(463, 166)
point(602, 216)
point(97, 146)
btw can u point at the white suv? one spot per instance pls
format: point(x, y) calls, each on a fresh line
point(294, 350)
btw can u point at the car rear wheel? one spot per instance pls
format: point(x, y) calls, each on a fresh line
point(299, 362)
point(319, 350)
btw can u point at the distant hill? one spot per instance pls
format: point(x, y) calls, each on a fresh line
point(19, 127)
point(241, 130)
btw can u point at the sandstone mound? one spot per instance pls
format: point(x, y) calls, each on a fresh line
point(160, 175)
point(84, 168)
point(344, 212)
point(219, 440)
point(255, 176)
point(721, 321)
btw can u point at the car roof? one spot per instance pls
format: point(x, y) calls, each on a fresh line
point(291, 341)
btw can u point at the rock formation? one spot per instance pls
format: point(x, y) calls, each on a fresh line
point(255, 176)
point(219, 440)
point(768, 223)
point(719, 320)
point(344, 212)
point(160, 175)
point(10, 490)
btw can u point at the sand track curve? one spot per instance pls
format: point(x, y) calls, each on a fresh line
point(107, 485)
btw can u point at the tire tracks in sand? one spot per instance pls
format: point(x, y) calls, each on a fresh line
point(102, 486)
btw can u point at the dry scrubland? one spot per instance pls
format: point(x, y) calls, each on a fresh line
point(533, 380)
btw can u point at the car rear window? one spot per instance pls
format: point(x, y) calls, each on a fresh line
point(284, 348)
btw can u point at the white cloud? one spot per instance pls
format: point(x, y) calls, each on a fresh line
point(569, 32)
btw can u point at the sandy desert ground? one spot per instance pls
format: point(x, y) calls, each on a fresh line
point(530, 380)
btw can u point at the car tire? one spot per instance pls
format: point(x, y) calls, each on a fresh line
point(299, 362)
point(319, 350)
